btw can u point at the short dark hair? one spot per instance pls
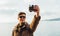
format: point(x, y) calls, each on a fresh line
point(20, 13)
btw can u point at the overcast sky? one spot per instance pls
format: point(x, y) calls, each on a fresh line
point(9, 9)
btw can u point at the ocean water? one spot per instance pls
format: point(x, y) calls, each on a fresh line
point(45, 28)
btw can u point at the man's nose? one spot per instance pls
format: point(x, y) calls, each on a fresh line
point(22, 18)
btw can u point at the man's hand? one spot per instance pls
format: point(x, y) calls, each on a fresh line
point(36, 10)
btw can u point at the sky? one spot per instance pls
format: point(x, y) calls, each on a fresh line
point(49, 9)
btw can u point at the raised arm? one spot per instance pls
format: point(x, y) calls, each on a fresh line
point(36, 19)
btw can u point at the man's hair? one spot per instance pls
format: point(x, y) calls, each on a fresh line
point(20, 13)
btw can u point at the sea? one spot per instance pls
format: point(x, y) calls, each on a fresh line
point(44, 28)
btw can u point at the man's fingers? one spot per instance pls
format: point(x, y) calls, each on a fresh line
point(36, 8)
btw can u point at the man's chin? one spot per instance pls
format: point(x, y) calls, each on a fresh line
point(23, 21)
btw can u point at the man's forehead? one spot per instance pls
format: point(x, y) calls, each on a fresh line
point(22, 15)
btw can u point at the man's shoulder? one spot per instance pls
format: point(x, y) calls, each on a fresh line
point(15, 27)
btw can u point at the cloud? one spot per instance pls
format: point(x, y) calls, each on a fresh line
point(2, 2)
point(6, 18)
point(49, 5)
point(28, 1)
point(49, 8)
point(8, 12)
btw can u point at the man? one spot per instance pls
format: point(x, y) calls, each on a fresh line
point(23, 28)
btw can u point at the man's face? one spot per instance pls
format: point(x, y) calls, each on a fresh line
point(22, 18)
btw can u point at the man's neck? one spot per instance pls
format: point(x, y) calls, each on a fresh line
point(21, 23)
